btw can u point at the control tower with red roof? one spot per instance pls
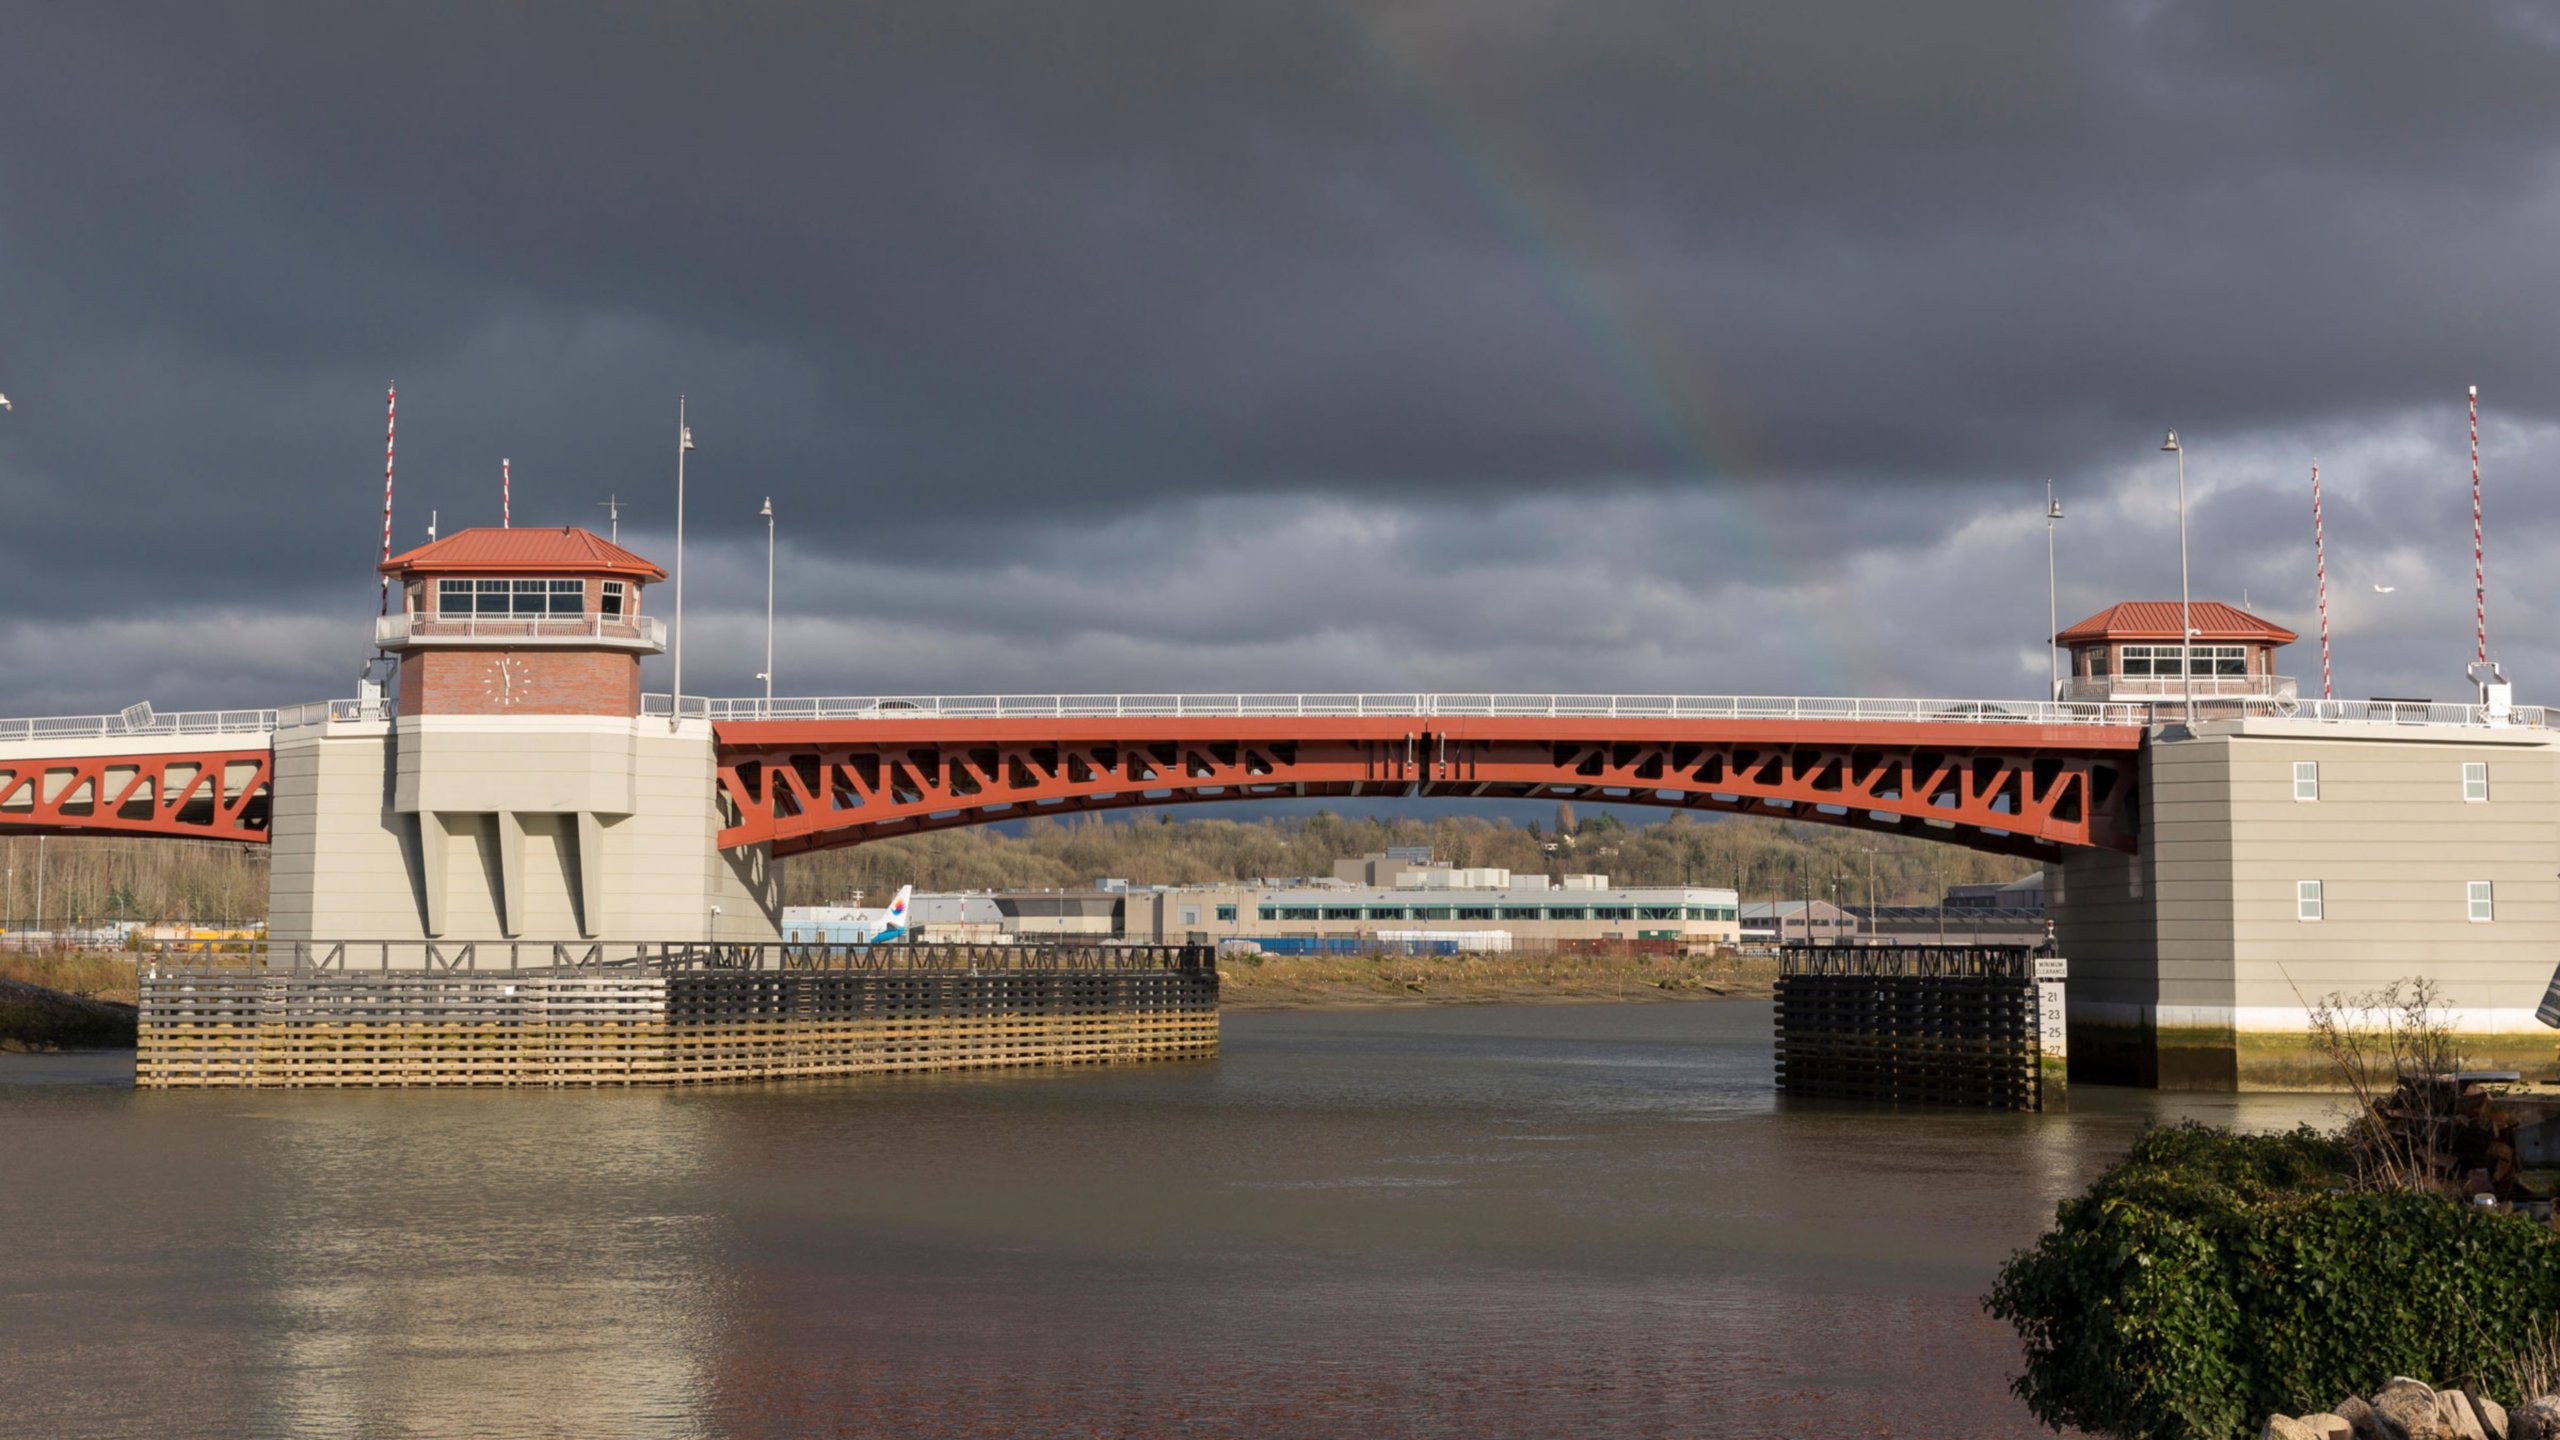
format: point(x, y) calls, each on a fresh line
point(514, 791)
point(2130, 651)
point(535, 622)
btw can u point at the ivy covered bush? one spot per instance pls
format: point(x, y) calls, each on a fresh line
point(2212, 1279)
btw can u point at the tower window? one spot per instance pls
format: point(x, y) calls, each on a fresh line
point(2306, 779)
point(2475, 780)
point(2306, 899)
point(611, 606)
point(523, 599)
point(2483, 901)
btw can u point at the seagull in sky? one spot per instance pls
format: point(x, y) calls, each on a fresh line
point(4, 403)
point(2384, 589)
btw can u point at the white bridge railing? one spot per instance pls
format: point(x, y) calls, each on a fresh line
point(142, 720)
point(1622, 707)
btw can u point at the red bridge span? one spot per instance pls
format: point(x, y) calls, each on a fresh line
point(2016, 778)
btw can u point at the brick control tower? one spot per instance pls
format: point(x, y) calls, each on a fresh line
point(513, 792)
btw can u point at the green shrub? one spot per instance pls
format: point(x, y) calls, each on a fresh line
point(2212, 1278)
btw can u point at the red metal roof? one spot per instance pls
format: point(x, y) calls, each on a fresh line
point(490, 549)
point(2158, 620)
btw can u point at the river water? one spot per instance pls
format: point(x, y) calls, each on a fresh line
point(1575, 1220)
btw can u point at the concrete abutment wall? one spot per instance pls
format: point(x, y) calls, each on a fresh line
point(2195, 962)
point(484, 828)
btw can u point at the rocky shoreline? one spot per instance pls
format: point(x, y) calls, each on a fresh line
point(2406, 1409)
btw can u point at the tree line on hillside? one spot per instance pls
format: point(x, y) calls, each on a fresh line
point(92, 880)
point(95, 880)
point(1764, 859)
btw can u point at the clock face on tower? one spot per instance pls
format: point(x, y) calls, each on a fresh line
point(507, 685)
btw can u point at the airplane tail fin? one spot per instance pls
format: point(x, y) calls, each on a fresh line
point(896, 928)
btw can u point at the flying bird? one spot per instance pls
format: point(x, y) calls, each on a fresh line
point(4, 403)
point(2384, 589)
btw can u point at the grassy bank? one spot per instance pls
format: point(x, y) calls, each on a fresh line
point(66, 1002)
point(1327, 982)
point(89, 975)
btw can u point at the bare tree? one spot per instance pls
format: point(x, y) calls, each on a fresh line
point(2396, 1052)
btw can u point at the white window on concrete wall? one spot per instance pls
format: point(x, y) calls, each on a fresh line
point(2306, 899)
point(2306, 779)
point(2475, 779)
point(2483, 902)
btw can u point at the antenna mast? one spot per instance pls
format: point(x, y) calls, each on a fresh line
point(611, 505)
point(390, 441)
point(2479, 570)
point(2320, 566)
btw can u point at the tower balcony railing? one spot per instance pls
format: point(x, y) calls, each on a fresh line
point(621, 632)
point(2173, 688)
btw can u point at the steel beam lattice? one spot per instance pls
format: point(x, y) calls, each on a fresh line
point(193, 795)
point(2021, 790)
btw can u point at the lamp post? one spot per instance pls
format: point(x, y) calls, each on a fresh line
point(2186, 620)
point(1871, 892)
point(2052, 595)
point(1938, 878)
point(767, 676)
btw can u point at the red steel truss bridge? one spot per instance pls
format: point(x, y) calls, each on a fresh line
point(2017, 778)
point(2028, 778)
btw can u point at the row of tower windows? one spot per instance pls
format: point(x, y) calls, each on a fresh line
point(524, 597)
point(2479, 898)
point(2475, 780)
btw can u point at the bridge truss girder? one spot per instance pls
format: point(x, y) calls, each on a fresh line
point(186, 795)
point(2028, 790)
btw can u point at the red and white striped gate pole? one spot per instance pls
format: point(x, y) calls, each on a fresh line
point(2479, 569)
point(390, 441)
point(2320, 564)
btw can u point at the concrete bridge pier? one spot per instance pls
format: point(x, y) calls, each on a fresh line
point(2281, 861)
point(519, 794)
point(460, 828)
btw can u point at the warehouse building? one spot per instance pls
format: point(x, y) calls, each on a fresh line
point(1479, 908)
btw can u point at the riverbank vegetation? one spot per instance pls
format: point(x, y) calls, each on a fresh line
point(84, 974)
point(1324, 982)
point(40, 1017)
point(2212, 1279)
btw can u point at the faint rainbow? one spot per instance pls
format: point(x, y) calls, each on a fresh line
point(1664, 379)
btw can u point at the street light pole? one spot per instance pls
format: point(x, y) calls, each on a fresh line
point(1871, 893)
point(767, 676)
point(2052, 595)
point(2186, 619)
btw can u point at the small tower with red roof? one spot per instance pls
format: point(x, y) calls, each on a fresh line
point(2130, 651)
point(520, 622)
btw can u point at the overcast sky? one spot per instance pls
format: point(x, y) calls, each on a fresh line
point(1436, 344)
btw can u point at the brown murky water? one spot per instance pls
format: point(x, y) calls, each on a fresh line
point(1593, 1220)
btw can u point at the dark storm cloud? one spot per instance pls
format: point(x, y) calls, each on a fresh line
point(1091, 336)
